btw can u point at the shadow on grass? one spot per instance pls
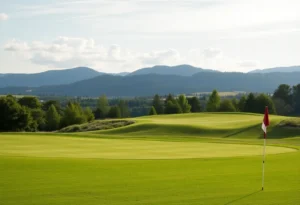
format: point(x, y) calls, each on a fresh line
point(238, 199)
point(253, 127)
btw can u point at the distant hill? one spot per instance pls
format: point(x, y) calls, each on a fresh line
point(181, 70)
point(52, 77)
point(150, 84)
point(278, 69)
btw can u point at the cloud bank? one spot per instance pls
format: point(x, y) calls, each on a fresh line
point(67, 52)
point(3, 17)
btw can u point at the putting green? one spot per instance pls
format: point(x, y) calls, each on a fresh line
point(69, 147)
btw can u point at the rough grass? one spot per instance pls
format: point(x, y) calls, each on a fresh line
point(63, 169)
point(290, 123)
point(97, 125)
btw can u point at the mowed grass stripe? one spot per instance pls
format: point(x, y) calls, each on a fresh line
point(29, 181)
point(56, 146)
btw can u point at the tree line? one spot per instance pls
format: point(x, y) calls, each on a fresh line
point(250, 103)
point(29, 114)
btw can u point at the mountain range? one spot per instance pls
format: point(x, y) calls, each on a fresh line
point(150, 84)
point(277, 69)
point(84, 81)
point(51, 77)
point(67, 76)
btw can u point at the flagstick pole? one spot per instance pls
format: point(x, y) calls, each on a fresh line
point(264, 156)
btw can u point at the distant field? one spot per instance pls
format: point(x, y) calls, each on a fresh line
point(175, 159)
point(222, 94)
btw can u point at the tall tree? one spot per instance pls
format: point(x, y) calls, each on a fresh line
point(184, 104)
point(262, 101)
point(30, 102)
point(282, 108)
point(123, 106)
point(169, 98)
point(213, 103)
point(152, 111)
point(195, 104)
point(283, 92)
point(227, 106)
point(172, 107)
point(73, 114)
point(38, 119)
point(89, 114)
point(235, 103)
point(250, 104)
point(157, 104)
point(242, 103)
point(296, 98)
point(52, 118)
point(14, 117)
point(47, 105)
point(102, 107)
point(114, 112)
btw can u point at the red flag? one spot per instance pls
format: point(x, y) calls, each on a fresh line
point(266, 121)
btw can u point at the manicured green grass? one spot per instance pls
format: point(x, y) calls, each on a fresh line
point(143, 163)
point(66, 147)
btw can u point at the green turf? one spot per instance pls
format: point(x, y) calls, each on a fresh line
point(65, 147)
point(223, 166)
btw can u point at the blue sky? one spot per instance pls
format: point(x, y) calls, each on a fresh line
point(125, 35)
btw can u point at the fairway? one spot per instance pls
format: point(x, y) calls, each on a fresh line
point(58, 146)
point(170, 160)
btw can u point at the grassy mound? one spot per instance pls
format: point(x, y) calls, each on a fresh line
point(97, 125)
point(220, 125)
point(290, 123)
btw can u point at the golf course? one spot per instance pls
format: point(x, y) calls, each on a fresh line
point(179, 159)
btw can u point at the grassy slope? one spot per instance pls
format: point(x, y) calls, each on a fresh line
point(235, 180)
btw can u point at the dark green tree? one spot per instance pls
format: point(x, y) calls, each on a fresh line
point(184, 104)
point(284, 92)
point(262, 101)
point(38, 119)
point(89, 114)
point(169, 98)
point(30, 102)
point(123, 106)
point(296, 99)
point(235, 104)
point(227, 106)
point(52, 118)
point(14, 117)
point(250, 104)
point(195, 104)
point(102, 107)
point(152, 111)
point(214, 101)
point(73, 114)
point(157, 104)
point(46, 105)
point(282, 108)
point(114, 112)
point(172, 107)
point(242, 103)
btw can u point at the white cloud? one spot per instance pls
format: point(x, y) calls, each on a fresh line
point(17, 46)
point(3, 17)
point(66, 52)
point(212, 52)
point(169, 56)
point(248, 64)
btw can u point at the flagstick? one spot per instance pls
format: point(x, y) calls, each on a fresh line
point(264, 155)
